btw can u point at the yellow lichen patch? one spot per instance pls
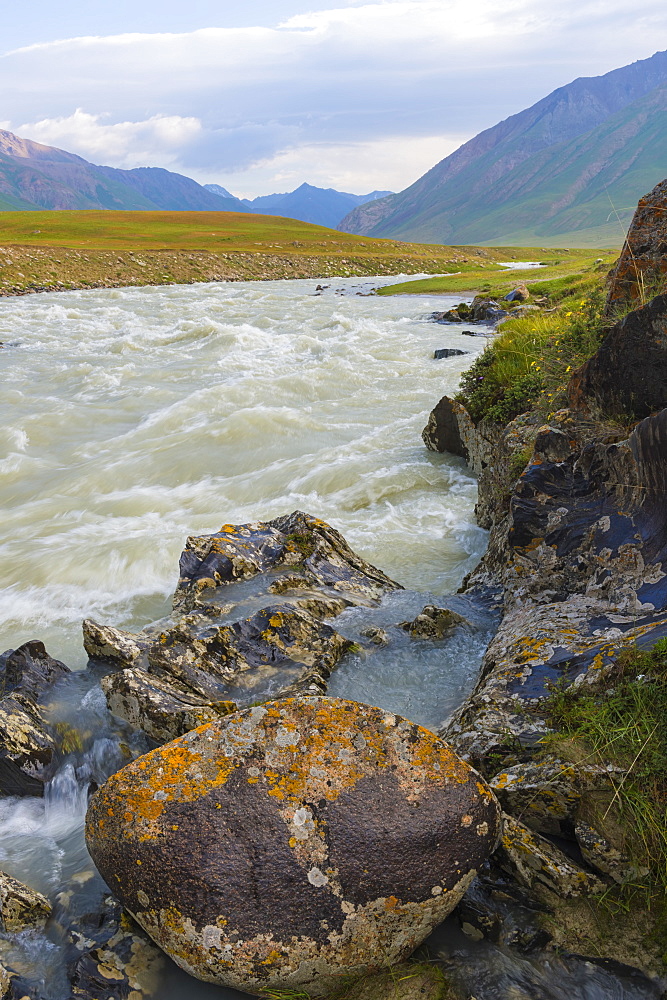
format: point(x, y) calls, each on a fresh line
point(436, 760)
point(173, 773)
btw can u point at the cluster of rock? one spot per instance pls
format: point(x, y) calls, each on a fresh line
point(577, 563)
point(485, 310)
point(273, 843)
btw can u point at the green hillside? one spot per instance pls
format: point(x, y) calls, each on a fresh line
point(566, 172)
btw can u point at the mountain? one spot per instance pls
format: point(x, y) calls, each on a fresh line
point(321, 206)
point(34, 176)
point(569, 169)
point(220, 191)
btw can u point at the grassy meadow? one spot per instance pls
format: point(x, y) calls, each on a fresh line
point(44, 251)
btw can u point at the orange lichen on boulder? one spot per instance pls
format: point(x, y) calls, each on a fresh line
point(294, 842)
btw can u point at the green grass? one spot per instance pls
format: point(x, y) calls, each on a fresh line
point(212, 231)
point(484, 278)
point(531, 361)
point(627, 725)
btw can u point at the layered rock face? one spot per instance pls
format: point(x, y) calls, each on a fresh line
point(640, 271)
point(577, 563)
point(637, 347)
point(293, 843)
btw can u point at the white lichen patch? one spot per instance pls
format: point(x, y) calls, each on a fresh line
point(317, 877)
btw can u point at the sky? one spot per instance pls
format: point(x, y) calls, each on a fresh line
point(261, 96)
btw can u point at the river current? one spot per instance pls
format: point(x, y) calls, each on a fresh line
point(133, 418)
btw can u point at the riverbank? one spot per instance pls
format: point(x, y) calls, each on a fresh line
point(51, 251)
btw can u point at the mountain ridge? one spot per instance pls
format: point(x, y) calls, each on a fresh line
point(447, 202)
point(34, 176)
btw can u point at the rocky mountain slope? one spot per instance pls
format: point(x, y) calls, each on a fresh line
point(567, 170)
point(34, 176)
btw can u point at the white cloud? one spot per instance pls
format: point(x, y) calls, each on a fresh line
point(380, 164)
point(157, 140)
point(343, 93)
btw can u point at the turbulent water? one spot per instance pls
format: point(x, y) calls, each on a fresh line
point(132, 418)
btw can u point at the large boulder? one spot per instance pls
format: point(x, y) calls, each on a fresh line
point(293, 843)
point(641, 269)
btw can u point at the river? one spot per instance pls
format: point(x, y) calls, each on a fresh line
point(133, 418)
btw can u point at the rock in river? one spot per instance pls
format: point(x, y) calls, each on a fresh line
point(293, 843)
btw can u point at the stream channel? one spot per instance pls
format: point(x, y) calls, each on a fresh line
point(133, 418)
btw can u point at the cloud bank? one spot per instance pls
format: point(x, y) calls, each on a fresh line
point(361, 96)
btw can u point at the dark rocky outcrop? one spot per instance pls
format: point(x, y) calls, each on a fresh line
point(293, 843)
point(29, 670)
point(641, 269)
point(637, 347)
point(26, 745)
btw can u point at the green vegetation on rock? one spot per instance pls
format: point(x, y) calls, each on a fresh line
point(626, 725)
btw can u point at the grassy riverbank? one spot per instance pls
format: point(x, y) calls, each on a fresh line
point(43, 251)
point(495, 281)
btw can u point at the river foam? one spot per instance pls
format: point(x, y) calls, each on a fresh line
point(135, 417)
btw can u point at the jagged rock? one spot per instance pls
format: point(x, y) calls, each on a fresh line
point(484, 310)
point(447, 352)
point(518, 294)
point(378, 636)
point(456, 315)
point(125, 966)
point(156, 706)
point(433, 623)
point(642, 265)
point(600, 854)
point(20, 906)
point(26, 749)
point(29, 670)
point(102, 642)
point(546, 794)
point(358, 830)
point(533, 859)
point(306, 546)
point(276, 647)
point(637, 347)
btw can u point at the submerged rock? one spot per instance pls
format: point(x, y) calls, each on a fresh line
point(125, 965)
point(293, 843)
point(448, 352)
point(20, 906)
point(433, 623)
